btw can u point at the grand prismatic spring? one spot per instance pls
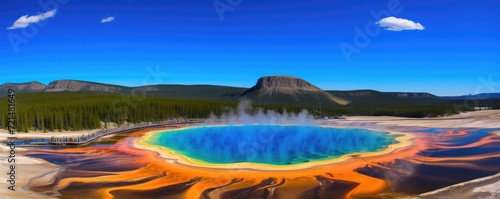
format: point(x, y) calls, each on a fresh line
point(271, 161)
point(271, 145)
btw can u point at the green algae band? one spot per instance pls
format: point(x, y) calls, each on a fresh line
point(269, 144)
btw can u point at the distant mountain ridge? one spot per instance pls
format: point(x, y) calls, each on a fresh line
point(412, 94)
point(72, 85)
point(476, 96)
point(212, 92)
point(267, 90)
point(28, 87)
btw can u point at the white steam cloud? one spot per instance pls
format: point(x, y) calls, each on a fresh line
point(246, 114)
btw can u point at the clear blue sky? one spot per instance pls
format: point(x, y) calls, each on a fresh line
point(445, 50)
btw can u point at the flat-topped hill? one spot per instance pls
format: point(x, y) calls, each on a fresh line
point(289, 90)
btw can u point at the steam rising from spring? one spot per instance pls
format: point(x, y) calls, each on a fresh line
point(246, 114)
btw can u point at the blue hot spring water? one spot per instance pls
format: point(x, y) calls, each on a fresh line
point(269, 144)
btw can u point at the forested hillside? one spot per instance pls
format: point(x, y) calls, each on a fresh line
point(85, 110)
point(76, 105)
point(57, 111)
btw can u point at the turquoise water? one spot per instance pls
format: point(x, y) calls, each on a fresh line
point(269, 144)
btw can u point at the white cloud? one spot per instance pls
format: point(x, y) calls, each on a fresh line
point(399, 24)
point(25, 21)
point(108, 19)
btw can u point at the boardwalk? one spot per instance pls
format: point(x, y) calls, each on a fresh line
point(84, 139)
